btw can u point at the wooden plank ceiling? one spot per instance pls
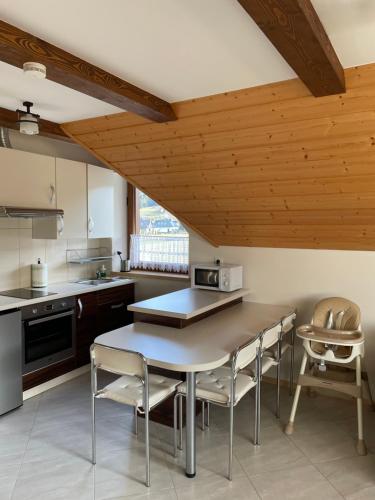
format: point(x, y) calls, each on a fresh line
point(269, 166)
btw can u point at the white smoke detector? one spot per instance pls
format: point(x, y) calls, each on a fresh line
point(35, 70)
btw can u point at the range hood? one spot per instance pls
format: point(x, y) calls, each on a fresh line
point(30, 213)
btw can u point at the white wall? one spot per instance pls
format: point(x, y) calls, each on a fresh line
point(301, 278)
point(152, 287)
point(18, 251)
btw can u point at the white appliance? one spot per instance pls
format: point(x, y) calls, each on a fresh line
point(221, 277)
point(10, 361)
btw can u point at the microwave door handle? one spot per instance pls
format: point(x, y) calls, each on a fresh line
point(49, 318)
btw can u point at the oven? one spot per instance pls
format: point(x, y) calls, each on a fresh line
point(48, 333)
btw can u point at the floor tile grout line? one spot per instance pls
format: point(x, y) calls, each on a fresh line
point(170, 465)
point(327, 477)
point(315, 467)
point(251, 482)
point(27, 444)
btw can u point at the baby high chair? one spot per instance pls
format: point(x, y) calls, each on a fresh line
point(334, 336)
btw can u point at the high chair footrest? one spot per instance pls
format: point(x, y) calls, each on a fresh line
point(344, 387)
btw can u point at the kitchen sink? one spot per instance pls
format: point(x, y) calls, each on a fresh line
point(96, 282)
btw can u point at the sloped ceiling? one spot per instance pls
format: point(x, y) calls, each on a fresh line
point(269, 166)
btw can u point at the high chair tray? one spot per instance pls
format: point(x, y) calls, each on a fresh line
point(339, 337)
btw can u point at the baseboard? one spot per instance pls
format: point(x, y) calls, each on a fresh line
point(39, 389)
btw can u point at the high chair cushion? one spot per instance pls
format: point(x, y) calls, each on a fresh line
point(214, 385)
point(129, 390)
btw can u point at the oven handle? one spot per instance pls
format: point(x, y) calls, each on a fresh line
point(50, 317)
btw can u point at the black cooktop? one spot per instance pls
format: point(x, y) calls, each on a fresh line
point(26, 293)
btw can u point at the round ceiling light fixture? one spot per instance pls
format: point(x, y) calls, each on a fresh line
point(29, 122)
point(35, 70)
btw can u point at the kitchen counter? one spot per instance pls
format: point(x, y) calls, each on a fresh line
point(187, 303)
point(204, 345)
point(60, 290)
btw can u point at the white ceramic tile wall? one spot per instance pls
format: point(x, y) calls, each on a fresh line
point(18, 251)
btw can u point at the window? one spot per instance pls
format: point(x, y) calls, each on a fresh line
point(158, 241)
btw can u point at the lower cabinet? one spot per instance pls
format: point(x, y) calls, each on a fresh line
point(86, 328)
point(113, 308)
point(100, 312)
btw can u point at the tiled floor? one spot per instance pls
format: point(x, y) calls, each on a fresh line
point(45, 453)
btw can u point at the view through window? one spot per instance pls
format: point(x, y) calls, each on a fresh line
point(155, 220)
point(160, 242)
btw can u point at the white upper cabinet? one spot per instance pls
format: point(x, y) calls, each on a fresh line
point(27, 179)
point(100, 191)
point(71, 196)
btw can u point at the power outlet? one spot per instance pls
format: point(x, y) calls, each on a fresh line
point(218, 261)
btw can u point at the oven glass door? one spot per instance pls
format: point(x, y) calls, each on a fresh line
point(47, 340)
point(207, 277)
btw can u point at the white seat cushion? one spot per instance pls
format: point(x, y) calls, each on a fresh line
point(214, 385)
point(272, 351)
point(129, 390)
point(267, 362)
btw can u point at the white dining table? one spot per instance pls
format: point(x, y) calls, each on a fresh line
point(201, 346)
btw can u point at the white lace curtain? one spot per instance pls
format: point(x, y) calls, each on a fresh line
point(160, 253)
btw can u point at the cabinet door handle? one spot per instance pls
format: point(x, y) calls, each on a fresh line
point(117, 306)
point(52, 194)
point(80, 308)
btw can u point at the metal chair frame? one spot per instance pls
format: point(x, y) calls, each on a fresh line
point(145, 402)
point(282, 335)
point(231, 402)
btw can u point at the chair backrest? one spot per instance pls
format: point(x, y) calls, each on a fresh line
point(271, 336)
point(118, 361)
point(345, 315)
point(288, 322)
point(245, 354)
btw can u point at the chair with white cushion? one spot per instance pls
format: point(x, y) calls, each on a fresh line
point(224, 386)
point(135, 387)
point(270, 342)
point(273, 355)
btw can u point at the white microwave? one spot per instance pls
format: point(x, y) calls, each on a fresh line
point(223, 277)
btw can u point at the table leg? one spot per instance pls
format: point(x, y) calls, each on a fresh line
point(190, 425)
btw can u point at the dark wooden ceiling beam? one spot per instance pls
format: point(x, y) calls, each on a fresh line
point(18, 47)
point(294, 28)
point(53, 130)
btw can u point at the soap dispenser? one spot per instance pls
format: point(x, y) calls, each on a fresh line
point(103, 272)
